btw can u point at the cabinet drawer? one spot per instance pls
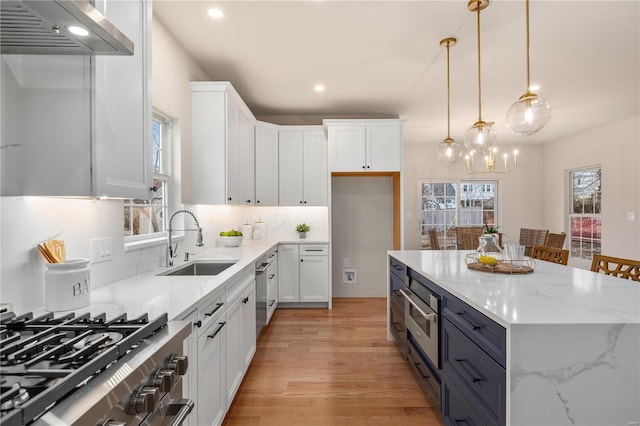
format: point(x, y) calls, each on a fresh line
point(236, 286)
point(486, 333)
point(396, 298)
point(477, 372)
point(430, 381)
point(397, 267)
point(456, 409)
point(210, 311)
point(314, 250)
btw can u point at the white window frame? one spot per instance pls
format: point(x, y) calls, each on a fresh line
point(580, 260)
point(462, 185)
point(132, 242)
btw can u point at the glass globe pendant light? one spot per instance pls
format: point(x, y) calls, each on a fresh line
point(530, 112)
point(480, 137)
point(449, 150)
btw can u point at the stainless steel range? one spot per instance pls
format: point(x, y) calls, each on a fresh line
point(91, 370)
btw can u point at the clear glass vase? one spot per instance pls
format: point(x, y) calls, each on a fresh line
point(488, 243)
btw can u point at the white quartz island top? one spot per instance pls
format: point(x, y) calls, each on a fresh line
point(551, 294)
point(572, 336)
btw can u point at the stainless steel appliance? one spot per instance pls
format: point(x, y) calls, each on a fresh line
point(265, 302)
point(422, 321)
point(91, 370)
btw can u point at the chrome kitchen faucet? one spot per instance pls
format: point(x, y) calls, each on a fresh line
point(171, 251)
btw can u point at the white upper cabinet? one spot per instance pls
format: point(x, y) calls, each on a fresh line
point(365, 145)
point(81, 125)
point(303, 173)
point(222, 146)
point(266, 150)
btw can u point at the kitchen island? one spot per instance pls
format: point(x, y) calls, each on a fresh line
point(572, 339)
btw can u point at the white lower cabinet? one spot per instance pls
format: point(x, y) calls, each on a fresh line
point(303, 273)
point(220, 348)
point(211, 401)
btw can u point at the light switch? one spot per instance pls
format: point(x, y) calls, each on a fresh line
point(631, 216)
point(101, 249)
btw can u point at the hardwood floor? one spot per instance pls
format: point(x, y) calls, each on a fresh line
point(330, 367)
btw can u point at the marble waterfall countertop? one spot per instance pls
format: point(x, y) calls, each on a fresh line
point(573, 337)
point(551, 294)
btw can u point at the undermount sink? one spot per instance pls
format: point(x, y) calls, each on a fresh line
point(200, 268)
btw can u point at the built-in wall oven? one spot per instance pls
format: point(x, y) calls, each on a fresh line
point(422, 320)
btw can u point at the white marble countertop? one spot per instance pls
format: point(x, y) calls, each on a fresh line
point(552, 294)
point(176, 295)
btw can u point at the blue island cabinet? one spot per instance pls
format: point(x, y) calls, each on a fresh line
point(473, 366)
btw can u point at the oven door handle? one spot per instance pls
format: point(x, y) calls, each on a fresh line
point(429, 317)
point(180, 409)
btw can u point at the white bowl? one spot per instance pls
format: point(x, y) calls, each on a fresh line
point(231, 241)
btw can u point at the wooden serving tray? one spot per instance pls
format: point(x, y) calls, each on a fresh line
point(500, 268)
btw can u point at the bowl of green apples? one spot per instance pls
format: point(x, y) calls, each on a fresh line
point(231, 238)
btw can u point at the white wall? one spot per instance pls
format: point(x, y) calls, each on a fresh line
point(361, 231)
point(617, 149)
point(521, 195)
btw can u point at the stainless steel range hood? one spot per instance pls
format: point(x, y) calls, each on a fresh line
point(41, 27)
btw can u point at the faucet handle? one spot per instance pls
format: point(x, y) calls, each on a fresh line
point(186, 256)
point(173, 252)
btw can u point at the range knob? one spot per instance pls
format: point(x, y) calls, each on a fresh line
point(162, 379)
point(178, 363)
point(143, 400)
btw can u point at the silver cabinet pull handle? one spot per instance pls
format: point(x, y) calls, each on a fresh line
point(428, 317)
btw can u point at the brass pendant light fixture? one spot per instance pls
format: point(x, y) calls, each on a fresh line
point(530, 112)
point(449, 151)
point(481, 137)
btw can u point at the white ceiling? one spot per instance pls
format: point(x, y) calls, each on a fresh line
point(383, 58)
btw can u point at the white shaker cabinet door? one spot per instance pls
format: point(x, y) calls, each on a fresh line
point(288, 273)
point(211, 402)
point(234, 361)
point(384, 148)
point(314, 278)
point(290, 165)
point(347, 148)
point(315, 179)
point(266, 170)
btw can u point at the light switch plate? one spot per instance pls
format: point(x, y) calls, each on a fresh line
point(631, 216)
point(101, 249)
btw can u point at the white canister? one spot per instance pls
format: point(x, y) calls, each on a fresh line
point(258, 230)
point(66, 285)
point(247, 230)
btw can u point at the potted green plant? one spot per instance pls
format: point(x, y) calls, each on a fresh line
point(302, 229)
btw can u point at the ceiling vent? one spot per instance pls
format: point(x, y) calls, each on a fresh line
point(41, 27)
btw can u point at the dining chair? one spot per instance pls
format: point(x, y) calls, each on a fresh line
point(532, 237)
point(616, 266)
point(433, 239)
point(550, 254)
point(555, 240)
point(467, 237)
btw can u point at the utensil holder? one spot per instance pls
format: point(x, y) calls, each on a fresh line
point(67, 285)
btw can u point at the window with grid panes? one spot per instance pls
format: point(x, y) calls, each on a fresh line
point(585, 212)
point(146, 218)
point(447, 204)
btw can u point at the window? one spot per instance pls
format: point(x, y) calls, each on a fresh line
point(145, 219)
point(444, 207)
point(585, 212)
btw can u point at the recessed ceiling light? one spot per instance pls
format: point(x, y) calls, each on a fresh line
point(79, 31)
point(319, 88)
point(215, 13)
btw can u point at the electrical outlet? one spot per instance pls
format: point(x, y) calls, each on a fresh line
point(345, 262)
point(349, 276)
point(101, 249)
point(631, 216)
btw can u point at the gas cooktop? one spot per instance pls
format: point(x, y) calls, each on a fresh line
point(45, 358)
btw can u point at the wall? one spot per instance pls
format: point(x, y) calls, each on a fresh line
point(521, 195)
point(617, 149)
point(361, 230)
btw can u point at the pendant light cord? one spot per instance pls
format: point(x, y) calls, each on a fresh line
point(527, 13)
point(448, 95)
point(479, 80)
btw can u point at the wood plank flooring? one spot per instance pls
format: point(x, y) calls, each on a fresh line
point(330, 367)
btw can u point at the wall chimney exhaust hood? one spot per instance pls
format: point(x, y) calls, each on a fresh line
point(41, 27)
